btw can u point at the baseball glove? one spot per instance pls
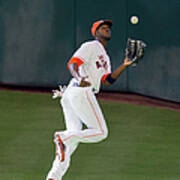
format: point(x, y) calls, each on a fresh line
point(135, 50)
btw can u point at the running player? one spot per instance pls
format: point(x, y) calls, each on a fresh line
point(89, 66)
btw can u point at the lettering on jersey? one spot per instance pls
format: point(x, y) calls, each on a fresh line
point(101, 63)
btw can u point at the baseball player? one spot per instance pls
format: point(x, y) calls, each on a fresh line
point(90, 66)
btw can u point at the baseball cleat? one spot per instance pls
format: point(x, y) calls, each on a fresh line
point(60, 148)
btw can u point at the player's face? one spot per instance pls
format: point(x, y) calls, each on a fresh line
point(104, 31)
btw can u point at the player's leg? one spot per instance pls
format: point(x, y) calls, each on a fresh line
point(60, 168)
point(87, 108)
point(73, 123)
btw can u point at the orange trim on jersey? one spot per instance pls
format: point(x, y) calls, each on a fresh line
point(95, 113)
point(75, 60)
point(62, 149)
point(104, 77)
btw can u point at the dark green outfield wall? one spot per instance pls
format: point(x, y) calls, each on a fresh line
point(38, 37)
point(159, 74)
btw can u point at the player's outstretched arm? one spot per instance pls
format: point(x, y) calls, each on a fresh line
point(115, 74)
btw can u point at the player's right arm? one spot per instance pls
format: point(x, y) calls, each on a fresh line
point(80, 57)
point(74, 70)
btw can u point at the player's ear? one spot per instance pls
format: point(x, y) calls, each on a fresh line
point(97, 33)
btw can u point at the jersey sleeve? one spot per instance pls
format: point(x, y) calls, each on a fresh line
point(82, 55)
point(104, 77)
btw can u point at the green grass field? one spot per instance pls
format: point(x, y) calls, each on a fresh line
point(143, 142)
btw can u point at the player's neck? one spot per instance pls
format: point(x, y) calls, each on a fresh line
point(103, 42)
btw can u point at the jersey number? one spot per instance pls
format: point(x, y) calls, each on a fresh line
point(101, 64)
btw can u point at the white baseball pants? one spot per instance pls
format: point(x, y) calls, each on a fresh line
point(79, 106)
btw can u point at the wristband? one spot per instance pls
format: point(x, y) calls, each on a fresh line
point(110, 79)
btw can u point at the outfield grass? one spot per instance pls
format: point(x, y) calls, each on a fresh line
point(143, 142)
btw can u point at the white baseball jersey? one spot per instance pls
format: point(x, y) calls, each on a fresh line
point(95, 62)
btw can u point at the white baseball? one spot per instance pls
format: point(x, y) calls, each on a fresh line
point(134, 19)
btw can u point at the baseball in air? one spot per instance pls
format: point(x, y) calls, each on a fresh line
point(134, 19)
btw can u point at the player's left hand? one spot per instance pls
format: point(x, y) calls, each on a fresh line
point(127, 62)
point(134, 50)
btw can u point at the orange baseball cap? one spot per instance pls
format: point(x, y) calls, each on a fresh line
point(98, 23)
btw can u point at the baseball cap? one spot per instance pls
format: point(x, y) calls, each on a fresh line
point(98, 23)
